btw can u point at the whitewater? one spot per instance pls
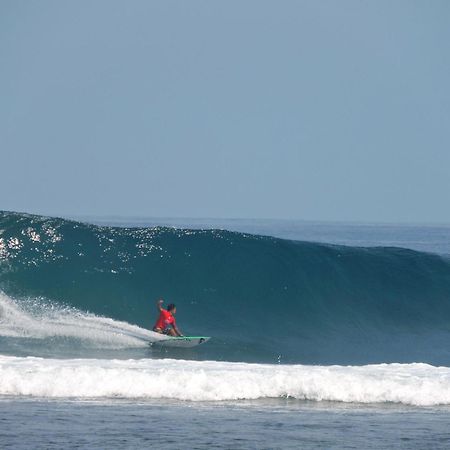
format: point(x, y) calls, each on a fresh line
point(409, 384)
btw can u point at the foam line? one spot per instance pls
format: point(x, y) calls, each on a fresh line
point(411, 384)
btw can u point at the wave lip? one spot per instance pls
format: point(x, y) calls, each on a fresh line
point(410, 384)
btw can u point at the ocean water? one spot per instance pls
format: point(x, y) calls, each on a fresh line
point(433, 238)
point(323, 335)
point(49, 424)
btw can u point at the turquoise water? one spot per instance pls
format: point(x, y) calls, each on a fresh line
point(314, 342)
point(262, 298)
point(434, 238)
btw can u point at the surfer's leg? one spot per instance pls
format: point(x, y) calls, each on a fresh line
point(158, 330)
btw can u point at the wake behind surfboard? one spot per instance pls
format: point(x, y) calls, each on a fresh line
point(180, 342)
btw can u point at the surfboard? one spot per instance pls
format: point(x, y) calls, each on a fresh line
point(182, 341)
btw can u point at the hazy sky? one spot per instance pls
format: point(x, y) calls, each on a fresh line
point(326, 110)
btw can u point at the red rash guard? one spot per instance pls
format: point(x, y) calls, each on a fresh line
point(165, 320)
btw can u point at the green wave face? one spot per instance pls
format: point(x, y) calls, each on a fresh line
point(259, 297)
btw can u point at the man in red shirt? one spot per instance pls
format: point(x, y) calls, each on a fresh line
point(166, 323)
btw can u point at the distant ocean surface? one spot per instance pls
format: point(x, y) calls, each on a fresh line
point(420, 237)
point(323, 334)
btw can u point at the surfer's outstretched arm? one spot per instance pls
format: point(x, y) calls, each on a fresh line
point(159, 303)
point(177, 331)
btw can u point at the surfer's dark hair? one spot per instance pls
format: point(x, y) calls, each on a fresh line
point(170, 306)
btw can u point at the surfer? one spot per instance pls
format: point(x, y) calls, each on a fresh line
point(166, 323)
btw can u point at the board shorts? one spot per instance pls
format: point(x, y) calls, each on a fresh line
point(164, 330)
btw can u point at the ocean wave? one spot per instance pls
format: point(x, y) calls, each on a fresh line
point(410, 384)
point(259, 297)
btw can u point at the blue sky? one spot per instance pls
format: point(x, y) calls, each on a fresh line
point(319, 110)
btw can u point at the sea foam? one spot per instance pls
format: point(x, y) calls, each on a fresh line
point(40, 319)
point(411, 384)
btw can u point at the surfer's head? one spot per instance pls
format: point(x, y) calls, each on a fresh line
point(172, 308)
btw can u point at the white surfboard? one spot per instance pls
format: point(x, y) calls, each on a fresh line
point(181, 342)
